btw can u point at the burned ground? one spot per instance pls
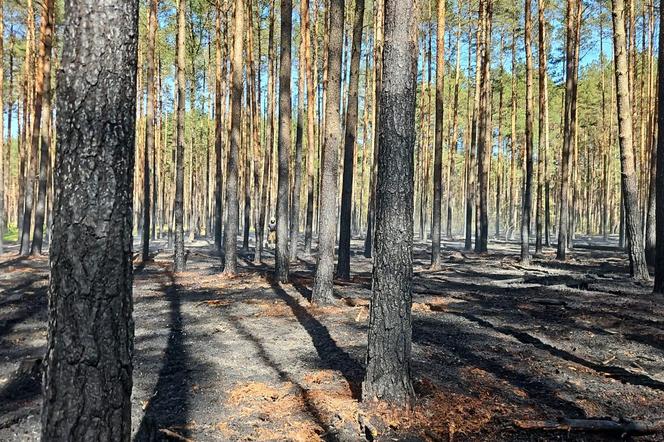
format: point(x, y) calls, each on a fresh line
point(495, 345)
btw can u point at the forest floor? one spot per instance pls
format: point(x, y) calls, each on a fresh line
point(496, 346)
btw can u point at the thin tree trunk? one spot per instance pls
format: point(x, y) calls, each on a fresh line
point(455, 127)
point(569, 128)
point(232, 203)
point(323, 283)
point(343, 266)
point(528, 148)
point(149, 127)
point(388, 373)
point(636, 253)
point(659, 262)
point(543, 126)
point(282, 256)
point(88, 380)
point(309, 40)
point(438, 141)
point(178, 209)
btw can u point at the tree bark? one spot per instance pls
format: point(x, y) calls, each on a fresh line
point(569, 127)
point(543, 140)
point(388, 375)
point(282, 256)
point(327, 224)
point(659, 262)
point(343, 265)
point(232, 203)
point(219, 85)
point(528, 148)
point(149, 127)
point(311, 115)
point(636, 253)
point(88, 381)
point(178, 208)
point(438, 141)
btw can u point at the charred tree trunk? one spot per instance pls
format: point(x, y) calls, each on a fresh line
point(323, 284)
point(178, 208)
point(343, 265)
point(543, 140)
point(149, 127)
point(438, 140)
point(88, 381)
point(659, 262)
point(388, 375)
point(232, 203)
point(283, 177)
point(636, 253)
point(528, 148)
point(569, 128)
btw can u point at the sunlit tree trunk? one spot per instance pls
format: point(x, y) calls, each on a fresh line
point(178, 208)
point(88, 380)
point(388, 374)
point(636, 253)
point(323, 283)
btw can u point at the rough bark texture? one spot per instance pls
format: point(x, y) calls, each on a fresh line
point(149, 127)
point(438, 141)
point(299, 140)
point(87, 386)
point(543, 127)
point(569, 129)
point(484, 144)
point(659, 263)
point(637, 260)
point(232, 203)
point(283, 177)
point(327, 224)
point(46, 45)
point(526, 207)
point(218, 127)
point(388, 375)
point(178, 206)
point(343, 265)
point(311, 137)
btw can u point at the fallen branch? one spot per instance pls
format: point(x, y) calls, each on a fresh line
point(173, 435)
point(623, 427)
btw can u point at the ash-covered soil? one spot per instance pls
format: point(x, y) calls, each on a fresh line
point(497, 347)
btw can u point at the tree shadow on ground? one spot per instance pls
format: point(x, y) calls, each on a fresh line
point(168, 406)
point(328, 351)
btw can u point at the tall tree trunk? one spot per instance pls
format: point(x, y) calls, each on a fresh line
point(88, 381)
point(282, 256)
point(269, 132)
point(32, 139)
point(323, 283)
point(149, 127)
point(543, 139)
point(438, 141)
point(232, 203)
point(343, 266)
point(569, 127)
point(470, 182)
point(388, 374)
point(455, 127)
point(219, 105)
point(484, 145)
point(513, 143)
point(178, 208)
point(378, 79)
point(659, 262)
point(528, 148)
point(299, 140)
point(636, 253)
point(309, 41)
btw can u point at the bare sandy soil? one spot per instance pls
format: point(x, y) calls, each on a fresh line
point(496, 346)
